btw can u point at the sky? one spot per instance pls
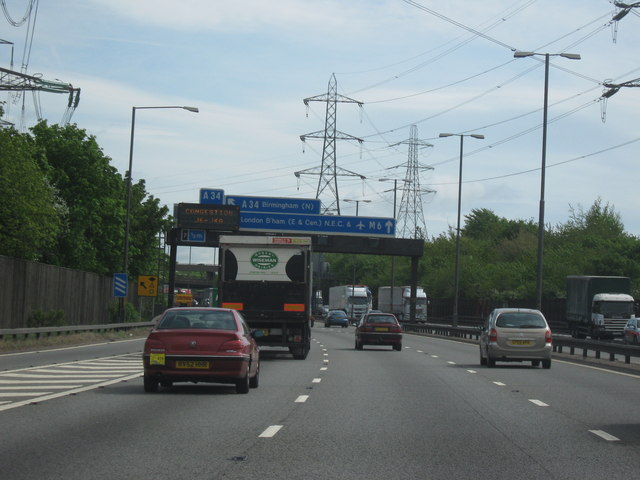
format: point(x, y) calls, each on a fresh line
point(445, 67)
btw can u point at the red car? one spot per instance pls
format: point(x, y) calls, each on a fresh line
point(379, 329)
point(201, 345)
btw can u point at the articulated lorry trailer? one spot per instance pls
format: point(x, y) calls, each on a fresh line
point(354, 300)
point(400, 304)
point(598, 306)
point(268, 279)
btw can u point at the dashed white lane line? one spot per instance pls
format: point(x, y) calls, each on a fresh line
point(500, 384)
point(324, 368)
point(539, 403)
point(604, 435)
point(270, 431)
point(451, 363)
point(472, 371)
point(316, 380)
point(302, 399)
point(434, 356)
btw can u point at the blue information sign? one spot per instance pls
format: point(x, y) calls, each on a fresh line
point(193, 235)
point(339, 225)
point(274, 204)
point(212, 196)
point(120, 284)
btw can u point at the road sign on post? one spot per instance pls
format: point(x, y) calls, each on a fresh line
point(120, 284)
point(147, 286)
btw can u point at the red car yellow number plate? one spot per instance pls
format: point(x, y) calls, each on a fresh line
point(192, 364)
point(156, 358)
point(381, 329)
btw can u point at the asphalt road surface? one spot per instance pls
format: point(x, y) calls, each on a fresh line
point(427, 412)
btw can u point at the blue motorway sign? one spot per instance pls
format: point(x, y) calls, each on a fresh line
point(120, 284)
point(212, 196)
point(193, 235)
point(274, 204)
point(338, 225)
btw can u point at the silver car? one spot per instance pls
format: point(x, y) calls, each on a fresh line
point(516, 335)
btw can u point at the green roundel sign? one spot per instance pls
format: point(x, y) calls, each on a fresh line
point(264, 260)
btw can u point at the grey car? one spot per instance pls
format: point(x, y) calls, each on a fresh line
point(516, 335)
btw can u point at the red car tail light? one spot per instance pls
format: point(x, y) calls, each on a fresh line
point(396, 329)
point(547, 336)
point(232, 346)
point(493, 335)
point(153, 344)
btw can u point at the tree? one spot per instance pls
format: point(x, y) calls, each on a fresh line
point(30, 211)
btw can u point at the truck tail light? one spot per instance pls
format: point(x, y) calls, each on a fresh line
point(547, 336)
point(233, 305)
point(493, 335)
point(294, 307)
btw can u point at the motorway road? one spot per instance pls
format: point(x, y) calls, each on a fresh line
point(428, 412)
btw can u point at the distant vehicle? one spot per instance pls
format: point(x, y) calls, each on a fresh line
point(379, 329)
point(397, 300)
point(516, 335)
point(598, 306)
point(197, 344)
point(632, 331)
point(354, 300)
point(336, 317)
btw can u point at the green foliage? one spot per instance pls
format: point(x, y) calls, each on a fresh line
point(131, 315)
point(498, 257)
point(52, 318)
point(30, 212)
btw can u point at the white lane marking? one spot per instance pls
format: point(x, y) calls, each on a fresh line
point(324, 368)
point(472, 371)
point(500, 384)
point(434, 356)
point(539, 403)
point(324, 349)
point(606, 370)
point(69, 392)
point(71, 348)
point(22, 394)
point(30, 377)
point(36, 387)
point(605, 435)
point(270, 431)
point(302, 399)
point(451, 363)
point(325, 354)
point(419, 351)
point(316, 380)
point(326, 360)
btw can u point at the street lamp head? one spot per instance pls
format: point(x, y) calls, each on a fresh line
point(446, 135)
point(477, 135)
point(571, 56)
point(519, 54)
point(192, 109)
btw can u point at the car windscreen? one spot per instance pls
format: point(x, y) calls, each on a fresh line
point(198, 319)
point(381, 319)
point(520, 320)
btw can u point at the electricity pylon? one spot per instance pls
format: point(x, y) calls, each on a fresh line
point(410, 222)
point(328, 172)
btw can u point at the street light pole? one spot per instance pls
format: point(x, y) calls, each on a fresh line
point(353, 282)
point(125, 267)
point(456, 281)
point(393, 258)
point(539, 269)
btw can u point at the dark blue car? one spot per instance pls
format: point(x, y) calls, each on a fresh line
point(336, 317)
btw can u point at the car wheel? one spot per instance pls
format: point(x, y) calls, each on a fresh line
point(242, 386)
point(358, 345)
point(166, 384)
point(255, 380)
point(491, 362)
point(635, 340)
point(483, 361)
point(326, 325)
point(546, 364)
point(150, 383)
point(535, 363)
point(398, 347)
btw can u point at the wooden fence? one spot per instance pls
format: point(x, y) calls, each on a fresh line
point(27, 287)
